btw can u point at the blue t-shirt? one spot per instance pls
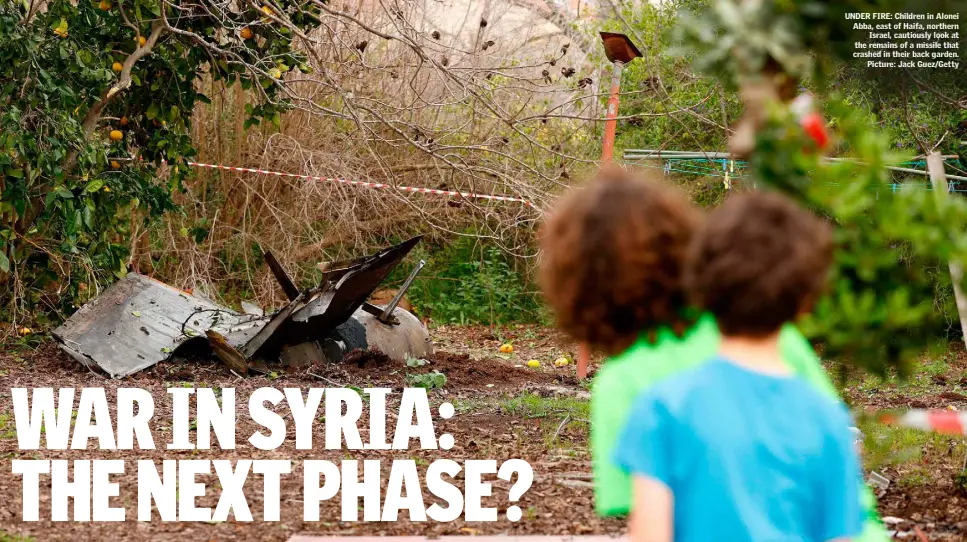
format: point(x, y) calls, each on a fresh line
point(747, 456)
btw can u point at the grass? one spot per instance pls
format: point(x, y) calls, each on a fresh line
point(462, 405)
point(917, 477)
point(913, 458)
point(16, 344)
point(925, 377)
point(7, 430)
point(887, 446)
point(935, 367)
point(531, 405)
point(573, 413)
point(7, 537)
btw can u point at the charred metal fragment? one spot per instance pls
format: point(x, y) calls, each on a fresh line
point(139, 322)
point(288, 286)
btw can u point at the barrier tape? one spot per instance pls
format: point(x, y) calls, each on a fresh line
point(948, 422)
point(417, 190)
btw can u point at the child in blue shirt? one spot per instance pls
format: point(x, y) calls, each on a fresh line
point(720, 452)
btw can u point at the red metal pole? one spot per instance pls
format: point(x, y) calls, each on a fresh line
point(607, 152)
point(607, 146)
point(583, 357)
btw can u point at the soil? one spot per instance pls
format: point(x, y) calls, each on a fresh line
point(463, 372)
point(560, 488)
point(479, 379)
point(932, 510)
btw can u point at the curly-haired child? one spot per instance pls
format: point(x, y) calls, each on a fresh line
point(613, 265)
point(738, 448)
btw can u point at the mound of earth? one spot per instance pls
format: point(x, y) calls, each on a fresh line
point(462, 371)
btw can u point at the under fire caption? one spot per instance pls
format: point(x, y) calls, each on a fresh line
point(173, 489)
point(907, 40)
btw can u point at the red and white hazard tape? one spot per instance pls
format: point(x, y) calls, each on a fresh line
point(434, 191)
point(949, 422)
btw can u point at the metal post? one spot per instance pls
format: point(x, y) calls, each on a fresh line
point(620, 51)
point(610, 125)
point(939, 180)
point(288, 286)
point(388, 311)
point(607, 154)
point(584, 355)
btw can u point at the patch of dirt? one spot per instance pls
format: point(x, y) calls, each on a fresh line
point(555, 503)
point(559, 502)
point(362, 358)
point(359, 368)
point(953, 396)
point(923, 494)
point(529, 341)
point(463, 372)
point(934, 510)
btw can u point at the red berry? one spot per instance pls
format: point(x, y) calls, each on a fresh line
point(815, 128)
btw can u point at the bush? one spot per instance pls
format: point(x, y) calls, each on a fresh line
point(469, 283)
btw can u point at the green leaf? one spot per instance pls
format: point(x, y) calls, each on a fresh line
point(152, 112)
point(93, 186)
point(415, 362)
point(4, 263)
point(428, 381)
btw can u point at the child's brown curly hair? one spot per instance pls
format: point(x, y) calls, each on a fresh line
point(764, 263)
point(613, 259)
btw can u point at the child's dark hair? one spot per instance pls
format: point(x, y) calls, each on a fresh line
point(614, 256)
point(760, 261)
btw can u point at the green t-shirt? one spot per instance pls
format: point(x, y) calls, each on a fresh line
point(626, 375)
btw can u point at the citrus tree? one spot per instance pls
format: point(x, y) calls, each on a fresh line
point(95, 112)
